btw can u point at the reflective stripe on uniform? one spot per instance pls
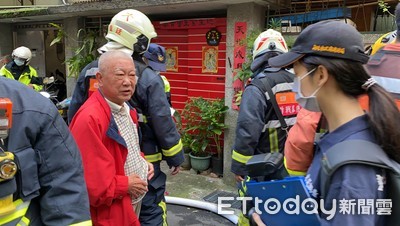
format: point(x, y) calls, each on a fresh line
point(83, 223)
point(174, 150)
point(273, 140)
point(242, 219)
point(163, 206)
point(167, 86)
point(91, 72)
point(239, 157)
point(293, 172)
point(24, 222)
point(142, 118)
point(153, 158)
point(281, 87)
point(20, 211)
point(276, 124)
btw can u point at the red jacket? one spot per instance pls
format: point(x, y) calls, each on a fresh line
point(104, 153)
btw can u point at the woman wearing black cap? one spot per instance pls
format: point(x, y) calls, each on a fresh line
point(328, 59)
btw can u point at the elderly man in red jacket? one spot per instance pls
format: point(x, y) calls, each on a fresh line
point(105, 129)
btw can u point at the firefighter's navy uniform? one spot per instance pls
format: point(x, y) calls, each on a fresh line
point(50, 187)
point(258, 128)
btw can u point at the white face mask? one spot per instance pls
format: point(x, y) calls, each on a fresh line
point(310, 103)
point(19, 62)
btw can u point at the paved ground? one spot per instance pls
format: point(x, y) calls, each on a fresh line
point(189, 184)
point(186, 216)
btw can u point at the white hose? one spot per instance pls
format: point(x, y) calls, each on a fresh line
point(200, 205)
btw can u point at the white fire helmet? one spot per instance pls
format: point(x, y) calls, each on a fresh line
point(269, 40)
point(132, 29)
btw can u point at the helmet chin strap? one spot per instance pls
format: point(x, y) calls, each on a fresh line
point(138, 57)
point(141, 45)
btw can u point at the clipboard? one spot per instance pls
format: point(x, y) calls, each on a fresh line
point(282, 190)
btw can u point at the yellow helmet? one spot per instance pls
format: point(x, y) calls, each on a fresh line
point(132, 29)
point(389, 37)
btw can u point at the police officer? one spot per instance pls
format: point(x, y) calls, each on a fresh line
point(258, 127)
point(20, 70)
point(155, 57)
point(49, 187)
point(131, 31)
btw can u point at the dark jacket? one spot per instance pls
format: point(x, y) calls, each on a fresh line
point(346, 183)
point(258, 129)
point(51, 172)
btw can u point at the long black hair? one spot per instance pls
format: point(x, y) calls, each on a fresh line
point(383, 115)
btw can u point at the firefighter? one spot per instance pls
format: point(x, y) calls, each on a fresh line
point(131, 31)
point(258, 126)
point(41, 168)
point(20, 70)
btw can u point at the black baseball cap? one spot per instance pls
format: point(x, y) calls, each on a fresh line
point(332, 38)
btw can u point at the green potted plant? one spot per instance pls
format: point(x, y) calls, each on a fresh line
point(186, 140)
point(204, 124)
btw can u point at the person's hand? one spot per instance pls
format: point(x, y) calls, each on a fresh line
point(136, 186)
point(175, 170)
point(238, 178)
point(257, 219)
point(31, 85)
point(150, 172)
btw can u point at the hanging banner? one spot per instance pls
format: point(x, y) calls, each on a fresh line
point(239, 57)
point(209, 59)
point(171, 60)
point(190, 23)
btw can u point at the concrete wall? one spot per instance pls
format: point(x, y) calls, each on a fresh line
point(71, 27)
point(254, 15)
point(6, 39)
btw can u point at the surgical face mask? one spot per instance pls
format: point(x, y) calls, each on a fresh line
point(19, 62)
point(310, 103)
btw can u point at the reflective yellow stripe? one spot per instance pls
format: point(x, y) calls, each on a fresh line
point(174, 150)
point(24, 222)
point(20, 211)
point(83, 223)
point(163, 206)
point(142, 118)
point(242, 220)
point(239, 157)
point(273, 140)
point(167, 87)
point(293, 172)
point(153, 158)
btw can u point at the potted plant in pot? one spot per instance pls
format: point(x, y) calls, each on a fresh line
point(186, 140)
point(214, 117)
point(205, 124)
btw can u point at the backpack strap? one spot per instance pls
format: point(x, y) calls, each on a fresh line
point(264, 86)
point(353, 152)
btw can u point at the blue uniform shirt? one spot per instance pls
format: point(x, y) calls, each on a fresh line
point(353, 186)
